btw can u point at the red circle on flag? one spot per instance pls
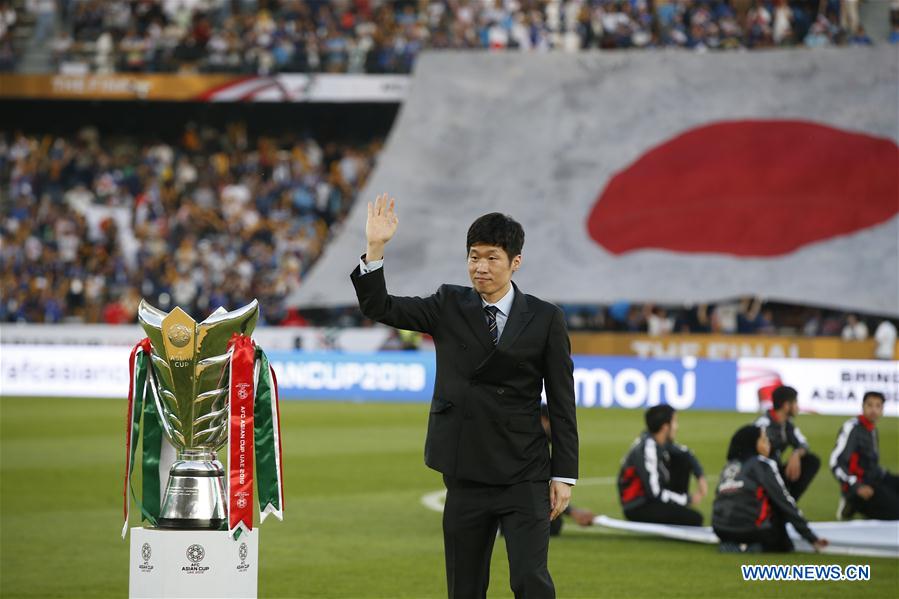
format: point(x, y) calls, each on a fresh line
point(749, 188)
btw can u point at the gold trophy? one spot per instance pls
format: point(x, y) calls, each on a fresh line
point(189, 379)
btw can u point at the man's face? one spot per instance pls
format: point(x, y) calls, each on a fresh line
point(672, 432)
point(873, 409)
point(793, 409)
point(490, 268)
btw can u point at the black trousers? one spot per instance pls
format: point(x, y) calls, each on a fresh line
point(656, 512)
point(774, 539)
point(471, 515)
point(809, 465)
point(884, 504)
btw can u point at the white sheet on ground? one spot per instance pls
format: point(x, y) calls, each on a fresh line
point(874, 538)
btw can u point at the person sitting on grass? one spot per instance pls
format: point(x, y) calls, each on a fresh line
point(866, 486)
point(802, 465)
point(752, 504)
point(654, 479)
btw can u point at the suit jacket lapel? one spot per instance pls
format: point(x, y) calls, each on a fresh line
point(474, 315)
point(519, 317)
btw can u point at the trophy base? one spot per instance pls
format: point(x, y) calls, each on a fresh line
point(190, 524)
point(195, 564)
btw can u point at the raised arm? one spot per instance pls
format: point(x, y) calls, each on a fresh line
point(411, 313)
point(380, 226)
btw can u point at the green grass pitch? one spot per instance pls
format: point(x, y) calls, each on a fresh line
point(354, 523)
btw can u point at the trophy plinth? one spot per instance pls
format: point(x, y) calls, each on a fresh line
point(189, 378)
point(195, 494)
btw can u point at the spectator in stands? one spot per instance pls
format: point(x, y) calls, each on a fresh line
point(812, 325)
point(91, 226)
point(658, 322)
point(654, 480)
point(819, 35)
point(802, 465)
point(854, 329)
point(855, 462)
point(385, 36)
point(8, 20)
point(860, 38)
point(885, 336)
point(782, 23)
point(752, 506)
point(44, 12)
point(849, 20)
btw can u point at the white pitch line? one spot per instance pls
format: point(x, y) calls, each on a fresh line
point(434, 500)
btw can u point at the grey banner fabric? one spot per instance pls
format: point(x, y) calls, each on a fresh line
point(539, 136)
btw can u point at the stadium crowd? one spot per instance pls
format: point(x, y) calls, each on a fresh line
point(217, 217)
point(385, 36)
point(90, 226)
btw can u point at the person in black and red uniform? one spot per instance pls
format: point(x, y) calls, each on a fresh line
point(654, 480)
point(866, 487)
point(802, 465)
point(752, 504)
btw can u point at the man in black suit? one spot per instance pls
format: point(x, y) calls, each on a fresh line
point(497, 348)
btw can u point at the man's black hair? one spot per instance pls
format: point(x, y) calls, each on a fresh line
point(883, 398)
point(743, 445)
point(656, 416)
point(499, 230)
point(782, 395)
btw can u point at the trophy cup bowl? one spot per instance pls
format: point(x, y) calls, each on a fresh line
point(189, 378)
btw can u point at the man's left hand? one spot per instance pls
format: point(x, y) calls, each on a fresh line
point(703, 489)
point(559, 497)
point(794, 467)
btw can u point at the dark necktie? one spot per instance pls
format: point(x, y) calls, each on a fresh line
point(491, 322)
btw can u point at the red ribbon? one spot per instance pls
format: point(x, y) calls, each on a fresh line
point(240, 452)
point(143, 344)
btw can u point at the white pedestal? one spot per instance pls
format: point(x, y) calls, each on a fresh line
point(192, 564)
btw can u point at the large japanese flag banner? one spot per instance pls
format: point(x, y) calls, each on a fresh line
point(667, 177)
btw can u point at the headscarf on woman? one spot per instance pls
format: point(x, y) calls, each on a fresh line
point(743, 445)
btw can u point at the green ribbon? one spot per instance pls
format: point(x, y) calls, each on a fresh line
point(145, 409)
point(268, 472)
point(150, 463)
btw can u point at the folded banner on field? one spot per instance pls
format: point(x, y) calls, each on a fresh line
point(874, 538)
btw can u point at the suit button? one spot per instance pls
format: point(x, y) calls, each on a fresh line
point(473, 383)
point(463, 346)
point(500, 390)
point(467, 415)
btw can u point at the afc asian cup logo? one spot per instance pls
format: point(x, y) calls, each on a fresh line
point(195, 553)
point(243, 390)
point(242, 552)
point(179, 335)
point(146, 552)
